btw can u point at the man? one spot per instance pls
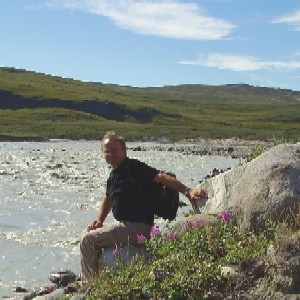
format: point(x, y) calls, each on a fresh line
point(132, 213)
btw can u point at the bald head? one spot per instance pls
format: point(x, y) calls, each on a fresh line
point(114, 149)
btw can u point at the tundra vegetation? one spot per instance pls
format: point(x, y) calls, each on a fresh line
point(39, 106)
point(204, 261)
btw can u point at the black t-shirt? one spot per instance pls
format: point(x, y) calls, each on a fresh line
point(128, 204)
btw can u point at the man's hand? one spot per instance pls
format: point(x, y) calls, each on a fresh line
point(197, 194)
point(94, 225)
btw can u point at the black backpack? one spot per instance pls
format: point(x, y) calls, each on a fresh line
point(165, 201)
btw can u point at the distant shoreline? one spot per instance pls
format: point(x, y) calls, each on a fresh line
point(233, 147)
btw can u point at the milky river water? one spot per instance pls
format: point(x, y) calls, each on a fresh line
point(50, 191)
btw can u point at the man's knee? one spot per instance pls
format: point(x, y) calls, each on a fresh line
point(86, 239)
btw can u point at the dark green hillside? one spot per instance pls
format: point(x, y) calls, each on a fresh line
point(39, 106)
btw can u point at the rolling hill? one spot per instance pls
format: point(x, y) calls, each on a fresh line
point(40, 106)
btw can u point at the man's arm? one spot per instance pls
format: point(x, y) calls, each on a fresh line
point(105, 208)
point(175, 184)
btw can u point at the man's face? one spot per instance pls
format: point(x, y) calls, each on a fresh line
point(114, 152)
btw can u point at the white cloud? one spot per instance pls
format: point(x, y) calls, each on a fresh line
point(239, 62)
point(165, 18)
point(292, 19)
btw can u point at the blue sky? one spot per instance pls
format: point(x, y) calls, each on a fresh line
point(155, 43)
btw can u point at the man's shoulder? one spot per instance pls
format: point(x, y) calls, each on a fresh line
point(130, 160)
point(133, 162)
point(141, 169)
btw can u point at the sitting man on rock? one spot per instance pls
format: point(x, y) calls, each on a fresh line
point(133, 214)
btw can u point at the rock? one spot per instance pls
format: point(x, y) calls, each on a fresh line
point(19, 289)
point(62, 277)
point(55, 295)
point(231, 273)
point(126, 253)
point(196, 220)
point(78, 297)
point(265, 188)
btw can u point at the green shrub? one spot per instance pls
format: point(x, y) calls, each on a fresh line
point(258, 150)
point(183, 266)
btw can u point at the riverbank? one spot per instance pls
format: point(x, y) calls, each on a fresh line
point(235, 148)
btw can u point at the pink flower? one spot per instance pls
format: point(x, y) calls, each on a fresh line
point(198, 223)
point(155, 231)
point(170, 236)
point(225, 216)
point(140, 238)
point(47, 289)
point(186, 225)
point(117, 251)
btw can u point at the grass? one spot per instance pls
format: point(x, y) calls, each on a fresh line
point(184, 111)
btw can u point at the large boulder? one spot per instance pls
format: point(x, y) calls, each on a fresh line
point(267, 188)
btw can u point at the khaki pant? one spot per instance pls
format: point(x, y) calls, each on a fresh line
point(111, 234)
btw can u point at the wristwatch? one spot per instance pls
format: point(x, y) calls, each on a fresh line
point(186, 191)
